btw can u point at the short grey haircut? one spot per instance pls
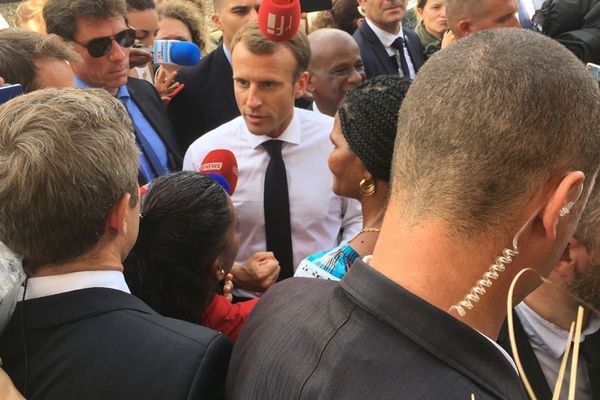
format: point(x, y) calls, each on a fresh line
point(459, 9)
point(487, 122)
point(66, 157)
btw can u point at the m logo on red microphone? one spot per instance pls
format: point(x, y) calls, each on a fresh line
point(278, 25)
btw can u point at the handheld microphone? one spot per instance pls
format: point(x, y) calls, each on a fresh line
point(221, 166)
point(175, 52)
point(279, 20)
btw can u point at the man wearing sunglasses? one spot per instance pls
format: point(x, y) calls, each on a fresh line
point(98, 31)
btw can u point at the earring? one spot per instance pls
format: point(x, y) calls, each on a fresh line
point(564, 211)
point(221, 274)
point(367, 187)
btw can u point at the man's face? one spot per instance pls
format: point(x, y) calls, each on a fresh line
point(585, 282)
point(264, 88)
point(52, 73)
point(384, 13)
point(337, 69)
point(495, 14)
point(234, 14)
point(110, 71)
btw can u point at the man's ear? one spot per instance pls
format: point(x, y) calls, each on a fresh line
point(464, 28)
point(117, 216)
point(561, 201)
point(310, 86)
point(566, 264)
point(216, 20)
point(301, 85)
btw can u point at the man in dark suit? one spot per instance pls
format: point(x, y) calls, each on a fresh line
point(543, 319)
point(386, 47)
point(98, 31)
point(70, 207)
point(208, 100)
point(421, 319)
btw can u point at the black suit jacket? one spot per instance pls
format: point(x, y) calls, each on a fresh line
point(207, 101)
point(376, 59)
point(148, 100)
point(366, 338)
point(531, 365)
point(106, 344)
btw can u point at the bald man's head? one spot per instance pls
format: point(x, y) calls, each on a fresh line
point(335, 68)
point(469, 16)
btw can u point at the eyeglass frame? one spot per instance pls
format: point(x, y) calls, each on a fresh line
point(112, 38)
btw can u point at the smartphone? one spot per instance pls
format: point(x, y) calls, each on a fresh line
point(9, 91)
point(595, 70)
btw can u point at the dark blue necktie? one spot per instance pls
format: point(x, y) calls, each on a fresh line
point(278, 229)
point(398, 44)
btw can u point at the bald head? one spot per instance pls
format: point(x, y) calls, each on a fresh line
point(469, 16)
point(335, 67)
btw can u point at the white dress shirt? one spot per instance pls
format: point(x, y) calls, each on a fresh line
point(387, 39)
point(549, 343)
point(317, 215)
point(55, 284)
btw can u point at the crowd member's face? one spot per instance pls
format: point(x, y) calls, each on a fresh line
point(145, 24)
point(232, 242)
point(173, 29)
point(434, 17)
point(386, 14)
point(234, 14)
point(264, 88)
point(110, 71)
point(52, 72)
point(495, 14)
point(347, 169)
point(335, 72)
point(586, 277)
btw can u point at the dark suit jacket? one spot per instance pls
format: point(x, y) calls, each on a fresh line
point(366, 338)
point(376, 59)
point(106, 344)
point(532, 367)
point(207, 101)
point(148, 100)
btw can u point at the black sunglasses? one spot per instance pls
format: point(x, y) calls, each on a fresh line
point(101, 46)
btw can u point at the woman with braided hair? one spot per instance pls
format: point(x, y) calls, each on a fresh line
point(363, 137)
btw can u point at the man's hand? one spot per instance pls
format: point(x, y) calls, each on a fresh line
point(7, 389)
point(257, 273)
point(139, 57)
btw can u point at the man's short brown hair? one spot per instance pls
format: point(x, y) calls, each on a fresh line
point(61, 16)
point(487, 122)
point(66, 157)
point(19, 49)
point(256, 43)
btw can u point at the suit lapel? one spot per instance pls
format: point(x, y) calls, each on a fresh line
point(226, 72)
point(378, 50)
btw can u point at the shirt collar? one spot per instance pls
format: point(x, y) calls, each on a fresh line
point(227, 53)
point(291, 134)
point(384, 37)
point(547, 336)
point(55, 284)
point(122, 93)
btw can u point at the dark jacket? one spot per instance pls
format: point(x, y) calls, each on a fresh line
point(363, 338)
point(376, 59)
point(106, 344)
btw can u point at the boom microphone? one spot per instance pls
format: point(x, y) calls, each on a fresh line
point(221, 166)
point(279, 20)
point(176, 52)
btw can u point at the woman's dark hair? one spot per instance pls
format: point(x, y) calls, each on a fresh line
point(185, 217)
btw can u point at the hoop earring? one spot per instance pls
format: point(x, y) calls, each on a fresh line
point(367, 187)
point(221, 274)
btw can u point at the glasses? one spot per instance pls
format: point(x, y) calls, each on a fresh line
point(101, 47)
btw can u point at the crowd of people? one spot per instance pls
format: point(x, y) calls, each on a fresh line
point(355, 212)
